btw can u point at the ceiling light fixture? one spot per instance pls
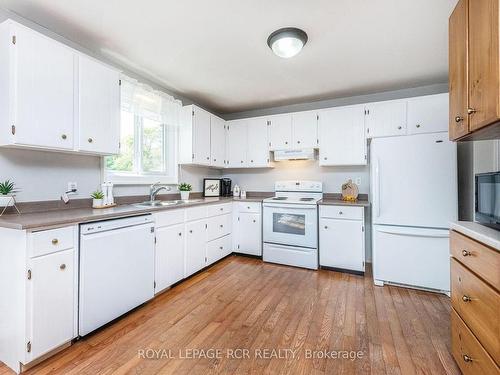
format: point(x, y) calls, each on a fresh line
point(287, 42)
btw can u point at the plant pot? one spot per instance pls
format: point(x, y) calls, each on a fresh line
point(6, 200)
point(97, 202)
point(184, 195)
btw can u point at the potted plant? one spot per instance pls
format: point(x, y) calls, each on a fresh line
point(185, 188)
point(7, 191)
point(97, 197)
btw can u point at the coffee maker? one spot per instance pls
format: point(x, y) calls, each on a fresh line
point(225, 187)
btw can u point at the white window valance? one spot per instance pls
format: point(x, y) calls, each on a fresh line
point(147, 102)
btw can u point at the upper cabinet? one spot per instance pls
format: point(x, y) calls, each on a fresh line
point(474, 70)
point(305, 130)
point(428, 114)
point(385, 119)
point(280, 132)
point(247, 143)
point(342, 136)
point(217, 142)
point(53, 97)
point(99, 107)
point(237, 144)
point(194, 136)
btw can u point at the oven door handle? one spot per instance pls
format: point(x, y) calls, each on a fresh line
point(288, 206)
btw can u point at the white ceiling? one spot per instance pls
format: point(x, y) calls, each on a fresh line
point(215, 52)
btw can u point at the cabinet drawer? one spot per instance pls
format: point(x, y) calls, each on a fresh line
point(196, 213)
point(471, 357)
point(482, 260)
point(341, 212)
point(218, 249)
point(219, 209)
point(170, 217)
point(51, 241)
point(218, 226)
point(478, 305)
point(251, 207)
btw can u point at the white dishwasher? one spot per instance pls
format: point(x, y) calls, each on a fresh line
point(116, 269)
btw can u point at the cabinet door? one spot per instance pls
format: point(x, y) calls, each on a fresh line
point(385, 119)
point(341, 244)
point(196, 241)
point(280, 132)
point(249, 234)
point(50, 302)
point(484, 74)
point(458, 85)
point(218, 249)
point(201, 136)
point(44, 113)
point(342, 136)
point(428, 114)
point(218, 142)
point(99, 110)
point(169, 256)
point(305, 130)
point(257, 143)
point(237, 144)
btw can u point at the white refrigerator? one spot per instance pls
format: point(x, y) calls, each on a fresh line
point(414, 199)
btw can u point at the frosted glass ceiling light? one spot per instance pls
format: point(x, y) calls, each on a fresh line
point(287, 42)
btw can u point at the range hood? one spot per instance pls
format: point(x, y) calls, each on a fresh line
point(299, 154)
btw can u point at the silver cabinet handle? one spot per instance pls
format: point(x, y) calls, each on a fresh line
point(190, 231)
point(90, 140)
point(222, 226)
point(220, 247)
point(64, 136)
point(180, 233)
point(466, 298)
point(254, 220)
point(326, 226)
point(399, 127)
point(62, 267)
point(466, 253)
point(55, 241)
point(341, 213)
point(458, 118)
point(471, 111)
point(467, 358)
point(418, 125)
point(286, 142)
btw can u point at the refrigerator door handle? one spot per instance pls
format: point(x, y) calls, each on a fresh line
point(376, 186)
point(415, 232)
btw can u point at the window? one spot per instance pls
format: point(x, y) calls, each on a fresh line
point(149, 124)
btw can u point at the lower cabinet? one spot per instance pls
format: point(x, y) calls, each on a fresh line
point(218, 249)
point(196, 243)
point(247, 231)
point(170, 254)
point(342, 237)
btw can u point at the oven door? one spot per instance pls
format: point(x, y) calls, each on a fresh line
point(291, 224)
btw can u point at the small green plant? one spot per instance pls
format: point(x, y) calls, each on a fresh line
point(185, 187)
point(7, 187)
point(97, 195)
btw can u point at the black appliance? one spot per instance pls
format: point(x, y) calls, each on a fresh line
point(225, 187)
point(488, 199)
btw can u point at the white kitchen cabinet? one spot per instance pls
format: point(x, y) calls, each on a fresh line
point(384, 119)
point(51, 298)
point(237, 144)
point(342, 238)
point(247, 228)
point(342, 136)
point(196, 242)
point(99, 107)
point(218, 249)
point(305, 130)
point(37, 89)
point(194, 136)
point(169, 256)
point(428, 114)
point(257, 143)
point(280, 132)
point(217, 142)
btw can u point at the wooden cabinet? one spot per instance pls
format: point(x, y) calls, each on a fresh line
point(194, 136)
point(428, 114)
point(305, 129)
point(51, 298)
point(342, 238)
point(169, 256)
point(280, 132)
point(217, 142)
point(196, 242)
point(342, 136)
point(474, 70)
point(99, 107)
point(237, 144)
point(385, 119)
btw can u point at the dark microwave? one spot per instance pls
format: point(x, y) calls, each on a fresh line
point(488, 199)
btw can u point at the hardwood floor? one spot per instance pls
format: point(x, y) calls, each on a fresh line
point(243, 303)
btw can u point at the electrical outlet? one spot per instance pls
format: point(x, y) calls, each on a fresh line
point(72, 187)
point(358, 181)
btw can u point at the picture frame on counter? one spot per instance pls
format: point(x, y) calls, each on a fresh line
point(211, 187)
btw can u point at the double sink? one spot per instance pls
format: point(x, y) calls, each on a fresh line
point(166, 203)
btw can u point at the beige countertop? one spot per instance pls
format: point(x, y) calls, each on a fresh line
point(340, 202)
point(480, 233)
point(39, 220)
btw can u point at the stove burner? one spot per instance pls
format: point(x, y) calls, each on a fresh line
point(280, 198)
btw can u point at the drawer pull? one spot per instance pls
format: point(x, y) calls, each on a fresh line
point(326, 227)
point(222, 226)
point(90, 140)
point(467, 358)
point(254, 220)
point(466, 298)
point(341, 213)
point(466, 253)
point(180, 233)
point(248, 207)
point(222, 208)
point(190, 231)
point(220, 247)
point(64, 136)
point(62, 267)
point(55, 241)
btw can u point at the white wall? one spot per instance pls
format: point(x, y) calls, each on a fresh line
point(332, 177)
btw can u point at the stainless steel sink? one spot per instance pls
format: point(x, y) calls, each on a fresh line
point(166, 203)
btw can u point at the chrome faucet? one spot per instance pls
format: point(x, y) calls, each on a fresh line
point(155, 189)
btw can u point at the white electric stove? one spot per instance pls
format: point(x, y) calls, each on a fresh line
point(290, 224)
